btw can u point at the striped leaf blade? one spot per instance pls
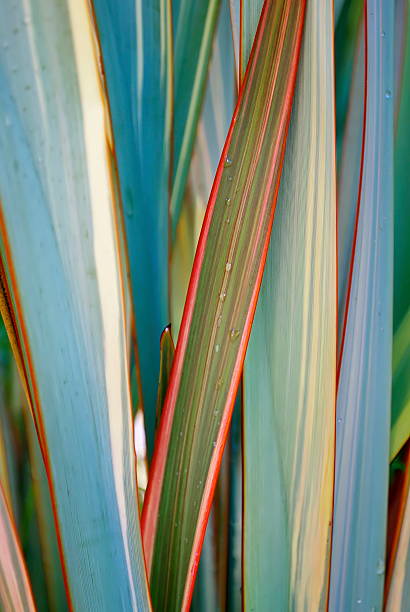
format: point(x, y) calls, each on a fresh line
point(363, 402)
point(219, 310)
point(397, 592)
point(63, 296)
point(15, 589)
point(194, 28)
point(290, 367)
point(136, 46)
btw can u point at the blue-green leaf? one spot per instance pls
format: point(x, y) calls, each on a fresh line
point(363, 403)
point(135, 40)
point(290, 368)
point(62, 282)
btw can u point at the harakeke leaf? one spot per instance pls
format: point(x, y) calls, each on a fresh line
point(364, 387)
point(136, 45)
point(349, 184)
point(290, 367)
point(211, 134)
point(166, 351)
point(63, 294)
point(250, 14)
point(15, 589)
point(194, 27)
point(400, 425)
point(398, 577)
point(219, 310)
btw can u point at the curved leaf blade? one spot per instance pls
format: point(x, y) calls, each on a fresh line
point(219, 310)
point(290, 367)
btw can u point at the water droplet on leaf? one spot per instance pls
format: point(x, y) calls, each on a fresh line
point(228, 266)
point(228, 162)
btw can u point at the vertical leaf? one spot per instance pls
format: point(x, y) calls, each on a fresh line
point(194, 28)
point(15, 589)
point(136, 45)
point(63, 293)
point(290, 367)
point(363, 403)
point(220, 305)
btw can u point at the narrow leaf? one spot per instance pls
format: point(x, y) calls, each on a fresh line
point(62, 279)
point(194, 28)
point(349, 185)
point(15, 589)
point(250, 14)
point(135, 40)
point(166, 352)
point(400, 425)
point(220, 305)
point(290, 367)
point(363, 403)
point(398, 579)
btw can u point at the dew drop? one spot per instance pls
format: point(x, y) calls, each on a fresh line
point(383, 34)
point(228, 266)
point(387, 94)
point(339, 420)
point(222, 296)
point(219, 321)
point(228, 201)
point(230, 178)
point(216, 348)
point(216, 412)
point(214, 444)
point(380, 567)
point(234, 334)
point(180, 434)
point(359, 601)
point(228, 162)
point(228, 219)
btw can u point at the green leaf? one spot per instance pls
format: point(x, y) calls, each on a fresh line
point(363, 402)
point(290, 367)
point(61, 274)
point(212, 129)
point(220, 305)
point(350, 178)
point(400, 425)
point(166, 351)
point(15, 589)
point(135, 39)
point(194, 28)
point(398, 582)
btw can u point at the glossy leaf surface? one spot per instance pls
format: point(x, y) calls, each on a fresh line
point(290, 367)
point(220, 305)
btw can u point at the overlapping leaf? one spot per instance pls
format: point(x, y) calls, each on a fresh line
point(220, 305)
point(290, 367)
point(15, 589)
point(62, 294)
point(363, 404)
point(136, 49)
